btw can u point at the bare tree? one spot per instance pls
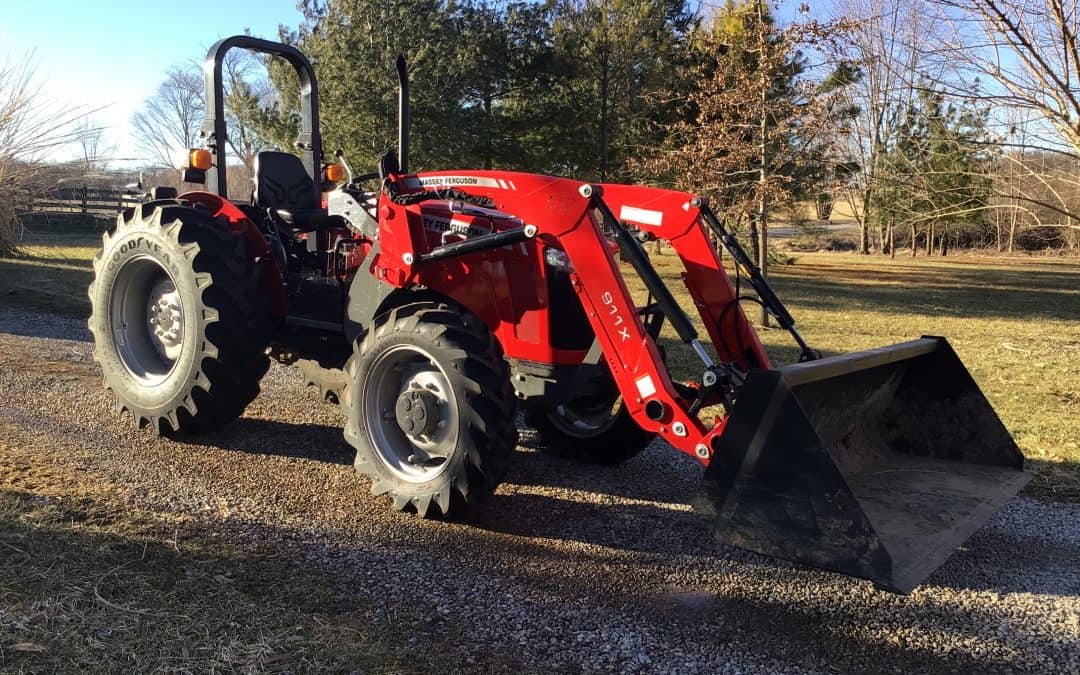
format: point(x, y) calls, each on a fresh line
point(95, 151)
point(1027, 53)
point(884, 41)
point(1031, 49)
point(169, 121)
point(248, 91)
point(32, 129)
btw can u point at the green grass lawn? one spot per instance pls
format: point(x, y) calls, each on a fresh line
point(1015, 323)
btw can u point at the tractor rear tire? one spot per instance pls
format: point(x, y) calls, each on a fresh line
point(430, 409)
point(601, 433)
point(177, 318)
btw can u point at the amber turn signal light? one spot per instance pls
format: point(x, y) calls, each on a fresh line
point(200, 159)
point(333, 173)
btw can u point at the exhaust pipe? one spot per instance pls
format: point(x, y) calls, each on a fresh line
point(403, 114)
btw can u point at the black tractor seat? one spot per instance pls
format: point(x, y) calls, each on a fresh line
point(288, 194)
point(305, 220)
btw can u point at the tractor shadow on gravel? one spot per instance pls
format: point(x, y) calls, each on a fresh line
point(23, 323)
point(319, 442)
point(658, 474)
point(992, 560)
point(545, 497)
point(624, 527)
point(585, 504)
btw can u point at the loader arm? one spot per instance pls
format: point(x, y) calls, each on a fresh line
point(563, 212)
point(677, 217)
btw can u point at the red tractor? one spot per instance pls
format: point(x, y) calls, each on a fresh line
point(439, 304)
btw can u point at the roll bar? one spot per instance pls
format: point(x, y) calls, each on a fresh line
point(309, 141)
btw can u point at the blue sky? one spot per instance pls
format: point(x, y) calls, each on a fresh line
point(114, 53)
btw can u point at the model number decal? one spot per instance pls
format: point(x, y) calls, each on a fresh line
point(616, 318)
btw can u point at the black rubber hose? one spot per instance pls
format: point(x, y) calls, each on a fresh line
point(631, 249)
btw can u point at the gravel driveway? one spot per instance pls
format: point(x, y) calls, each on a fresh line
point(568, 567)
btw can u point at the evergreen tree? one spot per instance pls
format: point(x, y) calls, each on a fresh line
point(612, 54)
point(506, 54)
point(935, 176)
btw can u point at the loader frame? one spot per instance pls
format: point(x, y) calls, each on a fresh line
point(573, 216)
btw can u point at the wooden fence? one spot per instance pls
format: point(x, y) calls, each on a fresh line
point(74, 200)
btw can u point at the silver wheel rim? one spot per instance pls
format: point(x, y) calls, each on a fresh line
point(401, 370)
point(585, 421)
point(146, 318)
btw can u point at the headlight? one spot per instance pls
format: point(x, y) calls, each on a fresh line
point(558, 260)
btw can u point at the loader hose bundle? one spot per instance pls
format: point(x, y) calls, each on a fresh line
point(446, 194)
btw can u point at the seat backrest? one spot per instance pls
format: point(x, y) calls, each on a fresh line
point(281, 182)
point(388, 164)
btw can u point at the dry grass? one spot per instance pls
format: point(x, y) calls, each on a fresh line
point(50, 272)
point(89, 584)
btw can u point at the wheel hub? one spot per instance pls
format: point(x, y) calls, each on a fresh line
point(410, 412)
point(146, 319)
point(417, 412)
point(165, 319)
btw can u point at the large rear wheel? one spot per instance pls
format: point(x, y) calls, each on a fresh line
point(593, 429)
point(430, 409)
point(177, 319)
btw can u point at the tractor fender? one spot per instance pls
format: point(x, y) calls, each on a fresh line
point(258, 250)
point(367, 294)
point(368, 297)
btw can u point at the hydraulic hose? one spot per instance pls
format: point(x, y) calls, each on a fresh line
point(631, 250)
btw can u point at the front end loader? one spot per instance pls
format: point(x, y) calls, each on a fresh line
point(435, 305)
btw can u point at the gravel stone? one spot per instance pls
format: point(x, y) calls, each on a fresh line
point(568, 568)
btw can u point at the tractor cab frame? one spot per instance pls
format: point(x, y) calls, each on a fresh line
point(214, 130)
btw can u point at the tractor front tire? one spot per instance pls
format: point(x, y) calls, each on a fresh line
point(177, 318)
point(430, 409)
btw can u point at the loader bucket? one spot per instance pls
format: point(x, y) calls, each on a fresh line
point(875, 464)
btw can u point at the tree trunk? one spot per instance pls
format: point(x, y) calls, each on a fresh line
point(755, 242)
point(914, 241)
point(1012, 228)
point(763, 197)
point(763, 249)
point(892, 241)
point(945, 242)
point(930, 240)
point(489, 148)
